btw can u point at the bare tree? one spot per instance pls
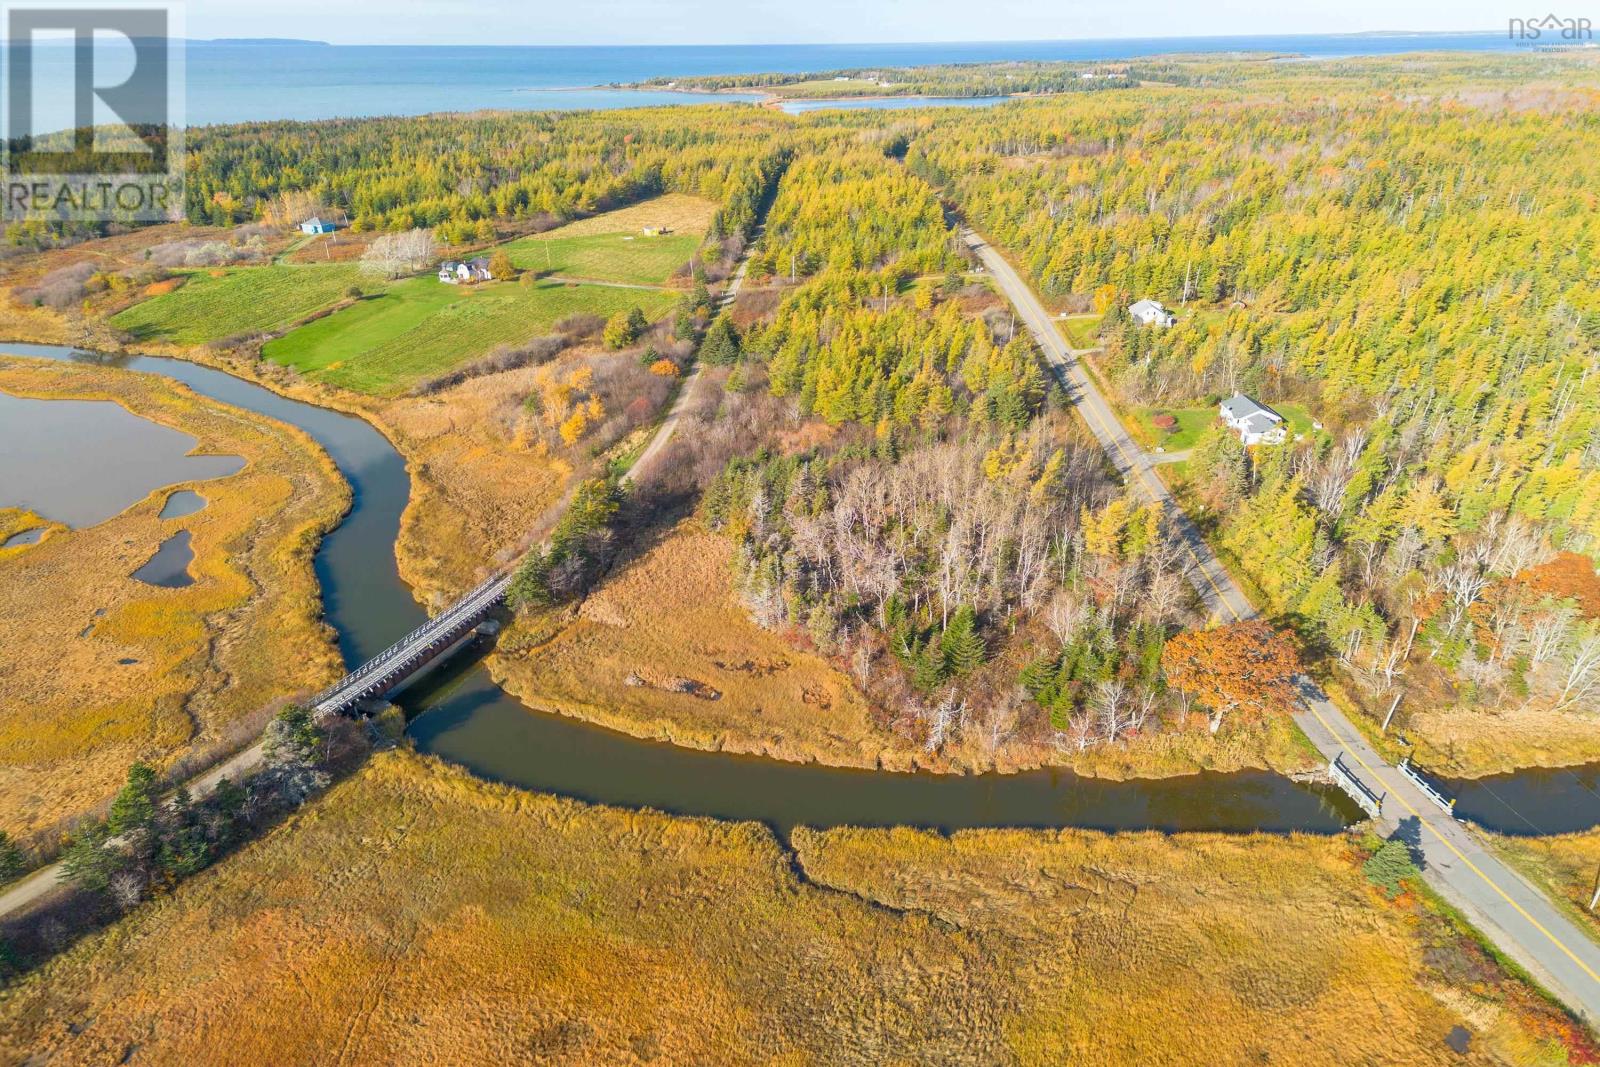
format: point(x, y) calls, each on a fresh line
point(1462, 583)
point(1548, 632)
point(1067, 614)
point(1327, 480)
point(1580, 683)
point(396, 254)
point(943, 719)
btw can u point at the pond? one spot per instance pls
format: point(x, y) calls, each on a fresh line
point(458, 713)
point(25, 537)
point(183, 502)
point(169, 567)
point(79, 462)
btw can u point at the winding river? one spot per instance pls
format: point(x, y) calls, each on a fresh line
point(459, 714)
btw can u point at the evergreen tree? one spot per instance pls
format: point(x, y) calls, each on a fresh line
point(961, 646)
point(134, 807)
point(721, 345)
point(12, 860)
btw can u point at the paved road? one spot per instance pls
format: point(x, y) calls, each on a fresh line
point(681, 405)
point(1518, 918)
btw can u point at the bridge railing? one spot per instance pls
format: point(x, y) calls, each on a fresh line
point(1369, 801)
point(1429, 790)
point(474, 602)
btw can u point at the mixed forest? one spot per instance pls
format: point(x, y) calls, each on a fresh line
point(1406, 249)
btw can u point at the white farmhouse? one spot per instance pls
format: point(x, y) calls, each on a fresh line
point(1256, 424)
point(1151, 313)
point(453, 272)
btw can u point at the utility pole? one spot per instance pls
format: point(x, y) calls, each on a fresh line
point(1390, 716)
point(1596, 898)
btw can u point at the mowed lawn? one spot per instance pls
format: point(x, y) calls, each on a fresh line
point(1192, 422)
point(244, 300)
point(609, 257)
point(419, 327)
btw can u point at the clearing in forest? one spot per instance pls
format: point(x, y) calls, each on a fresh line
point(213, 305)
point(615, 246)
point(420, 326)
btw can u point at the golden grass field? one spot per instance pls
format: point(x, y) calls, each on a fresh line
point(1471, 743)
point(679, 212)
point(478, 490)
point(672, 613)
point(203, 658)
point(418, 915)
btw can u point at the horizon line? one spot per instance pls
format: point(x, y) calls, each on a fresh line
point(310, 42)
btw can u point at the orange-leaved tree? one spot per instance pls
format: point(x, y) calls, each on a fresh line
point(1246, 667)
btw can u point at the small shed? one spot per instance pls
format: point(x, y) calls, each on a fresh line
point(316, 225)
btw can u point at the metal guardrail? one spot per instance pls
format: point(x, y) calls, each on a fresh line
point(1429, 790)
point(1369, 801)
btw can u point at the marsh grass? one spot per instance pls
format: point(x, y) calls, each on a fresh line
point(416, 914)
point(102, 669)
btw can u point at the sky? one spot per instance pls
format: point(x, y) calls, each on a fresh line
point(646, 22)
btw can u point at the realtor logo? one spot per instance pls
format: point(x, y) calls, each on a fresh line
point(1551, 29)
point(92, 111)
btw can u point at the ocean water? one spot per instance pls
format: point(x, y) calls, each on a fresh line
point(240, 82)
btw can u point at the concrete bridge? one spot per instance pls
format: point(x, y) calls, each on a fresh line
point(414, 651)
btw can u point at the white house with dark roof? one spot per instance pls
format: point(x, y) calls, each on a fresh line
point(315, 225)
point(1151, 313)
point(1256, 424)
point(455, 272)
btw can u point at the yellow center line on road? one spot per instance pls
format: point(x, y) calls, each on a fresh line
point(1473, 867)
point(1097, 423)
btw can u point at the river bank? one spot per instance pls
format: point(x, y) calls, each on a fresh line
point(369, 605)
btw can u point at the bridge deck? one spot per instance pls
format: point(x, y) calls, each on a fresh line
point(400, 660)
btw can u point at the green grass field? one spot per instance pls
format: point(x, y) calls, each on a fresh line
point(246, 300)
point(1192, 422)
point(420, 327)
point(365, 325)
point(1081, 331)
point(608, 257)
